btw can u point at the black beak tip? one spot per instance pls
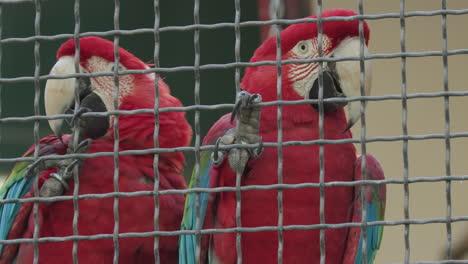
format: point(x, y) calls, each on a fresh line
point(349, 126)
point(347, 129)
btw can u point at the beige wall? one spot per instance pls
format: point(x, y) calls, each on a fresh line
point(425, 116)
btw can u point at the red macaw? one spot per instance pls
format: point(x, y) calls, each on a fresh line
point(96, 174)
point(300, 163)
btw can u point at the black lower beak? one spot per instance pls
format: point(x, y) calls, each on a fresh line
point(89, 126)
point(331, 89)
point(93, 126)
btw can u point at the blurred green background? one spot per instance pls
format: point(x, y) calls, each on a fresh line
point(177, 49)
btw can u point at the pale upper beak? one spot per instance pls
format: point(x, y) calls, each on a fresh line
point(343, 79)
point(60, 99)
point(60, 93)
point(349, 73)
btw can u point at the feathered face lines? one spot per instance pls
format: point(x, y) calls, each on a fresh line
point(97, 55)
point(300, 80)
point(302, 75)
point(96, 93)
point(104, 86)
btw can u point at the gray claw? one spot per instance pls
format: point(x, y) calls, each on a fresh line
point(235, 111)
point(217, 156)
point(82, 147)
point(72, 165)
point(245, 102)
point(246, 131)
point(57, 183)
point(33, 168)
point(258, 151)
point(252, 98)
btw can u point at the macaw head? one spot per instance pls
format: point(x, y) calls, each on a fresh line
point(301, 80)
point(97, 92)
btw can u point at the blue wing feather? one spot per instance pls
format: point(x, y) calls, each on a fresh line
point(375, 197)
point(208, 177)
point(16, 186)
point(374, 235)
point(187, 243)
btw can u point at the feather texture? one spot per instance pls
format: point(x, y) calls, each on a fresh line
point(16, 185)
point(96, 174)
point(300, 163)
point(187, 243)
point(207, 179)
point(375, 197)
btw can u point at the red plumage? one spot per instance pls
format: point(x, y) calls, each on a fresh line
point(300, 165)
point(301, 206)
point(335, 30)
point(135, 174)
point(95, 46)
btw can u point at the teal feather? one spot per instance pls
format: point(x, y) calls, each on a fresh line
point(374, 212)
point(16, 186)
point(187, 243)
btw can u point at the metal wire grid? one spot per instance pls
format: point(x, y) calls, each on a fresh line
point(197, 107)
point(404, 117)
point(37, 85)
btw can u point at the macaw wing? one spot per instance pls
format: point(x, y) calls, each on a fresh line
point(375, 211)
point(17, 185)
point(187, 243)
point(208, 179)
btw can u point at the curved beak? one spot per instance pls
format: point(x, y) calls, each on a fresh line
point(349, 73)
point(342, 79)
point(350, 76)
point(60, 99)
point(331, 89)
point(60, 93)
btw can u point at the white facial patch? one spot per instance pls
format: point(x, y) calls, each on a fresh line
point(104, 86)
point(303, 75)
point(349, 73)
point(60, 93)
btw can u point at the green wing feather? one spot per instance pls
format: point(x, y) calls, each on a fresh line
point(17, 185)
point(208, 175)
point(187, 243)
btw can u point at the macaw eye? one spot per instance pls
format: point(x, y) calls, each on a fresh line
point(303, 48)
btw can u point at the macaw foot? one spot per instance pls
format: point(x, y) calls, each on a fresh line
point(57, 183)
point(246, 131)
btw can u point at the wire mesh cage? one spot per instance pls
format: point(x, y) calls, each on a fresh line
point(413, 122)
